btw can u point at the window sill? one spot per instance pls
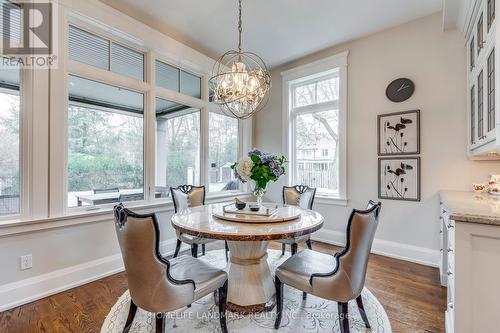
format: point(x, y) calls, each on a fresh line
point(101, 214)
point(330, 200)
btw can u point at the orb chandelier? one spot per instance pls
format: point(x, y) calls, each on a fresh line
point(240, 81)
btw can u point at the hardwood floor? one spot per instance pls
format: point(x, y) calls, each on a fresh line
point(410, 293)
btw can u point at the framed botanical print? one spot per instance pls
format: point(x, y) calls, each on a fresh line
point(399, 178)
point(399, 133)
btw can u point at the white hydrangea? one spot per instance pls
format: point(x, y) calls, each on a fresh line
point(244, 168)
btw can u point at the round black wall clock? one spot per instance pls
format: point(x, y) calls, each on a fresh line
point(400, 90)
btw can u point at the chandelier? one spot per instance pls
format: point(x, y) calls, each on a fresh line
point(240, 81)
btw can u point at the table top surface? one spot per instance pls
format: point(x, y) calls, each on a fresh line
point(200, 222)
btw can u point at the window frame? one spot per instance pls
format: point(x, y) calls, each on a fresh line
point(58, 119)
point(311, 72)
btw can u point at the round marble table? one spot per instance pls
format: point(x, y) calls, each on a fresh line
point(250, 287)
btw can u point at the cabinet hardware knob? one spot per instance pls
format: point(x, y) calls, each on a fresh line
point(450, 305)
point(449, 273)
point(449, 250)
point(450, 226)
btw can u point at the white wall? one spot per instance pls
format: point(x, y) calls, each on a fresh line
point(435, 61)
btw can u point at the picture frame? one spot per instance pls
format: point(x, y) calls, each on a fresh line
point(398, 133)
point(399, 178)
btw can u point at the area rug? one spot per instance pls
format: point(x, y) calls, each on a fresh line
point(314, 315)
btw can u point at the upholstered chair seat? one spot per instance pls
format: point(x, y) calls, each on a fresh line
point(206, 277)
point(159, 285)
point(303, 197)
point(298, 269)
point(184, 197)
point(340, 278)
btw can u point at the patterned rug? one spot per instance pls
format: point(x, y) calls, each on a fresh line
point(314, 315)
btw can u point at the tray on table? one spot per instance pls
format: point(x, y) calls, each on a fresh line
point(268, 213)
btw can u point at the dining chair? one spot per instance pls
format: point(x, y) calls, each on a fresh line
point(339, 278)
point(185, 196)
point(302, 196)
point(106, 190)
point(159, 285)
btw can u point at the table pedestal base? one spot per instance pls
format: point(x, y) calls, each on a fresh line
point(250, 286)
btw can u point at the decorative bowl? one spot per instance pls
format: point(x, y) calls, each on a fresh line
point(240, 205)
point(254, 208)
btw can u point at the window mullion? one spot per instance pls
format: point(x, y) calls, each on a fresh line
point(204, 156)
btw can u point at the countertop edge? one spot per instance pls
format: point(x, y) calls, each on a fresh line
point(450, 199)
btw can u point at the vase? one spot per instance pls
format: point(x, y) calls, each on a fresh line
point(259, 193)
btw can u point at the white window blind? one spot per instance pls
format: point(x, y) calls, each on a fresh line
point(126, 61)
point(88, 48)
point(11, 15)
point(96, 51)
point(167, 76)
point(190, 84)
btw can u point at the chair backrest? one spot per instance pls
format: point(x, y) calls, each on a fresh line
point(299, 195)
point(348, 279)
point(148, 273)
point(106, 190)
point(131, 197)
point(186, 196)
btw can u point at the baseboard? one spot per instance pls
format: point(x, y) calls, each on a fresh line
point(416, 254)
point(28, 290)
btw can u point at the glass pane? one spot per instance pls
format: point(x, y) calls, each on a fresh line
point(473, 115)
point(88, 48)
point(317, 145)
point(304, 95)
point(11, 20)
point(167, 76)
point(9, 145)
point(480, 40)
point(177, 146)
point(491, 90)
point(491, 13)
point(126, 61)
point(480, 110)
point(223, 151)
point(328, 90)
point(472, 55)
point(190, 84)
point(105, 144)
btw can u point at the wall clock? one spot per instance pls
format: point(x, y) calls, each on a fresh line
point(400, 90)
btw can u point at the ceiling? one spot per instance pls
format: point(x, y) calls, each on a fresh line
point(278, 30)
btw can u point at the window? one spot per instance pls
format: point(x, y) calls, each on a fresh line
point(10, 114)
point(316, 131)
point(223, 151)
point(480, 110)
point(172, 78)
point(105, 144)
point(480, 39)
point(491, 13)
point(472, 55)
point(93, 50)
point(473, 115)
point(177, 146)
point(11, 12)
point(491, 90)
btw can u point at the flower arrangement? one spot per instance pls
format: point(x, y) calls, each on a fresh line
point(261, 168)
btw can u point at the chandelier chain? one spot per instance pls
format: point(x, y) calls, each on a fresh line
point(240, 27)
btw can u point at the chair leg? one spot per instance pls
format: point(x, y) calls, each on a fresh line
point(202, 249)
point(283, 249)
point(309, 244)
point(343, 317)
point(227, 250)
point(304, 295)
point(177, 248)
point(279, 301)
point(294, 248)
point(130, 318)
point(194, 250)
point(362, 311)
point(160, 323)
point(222, 307)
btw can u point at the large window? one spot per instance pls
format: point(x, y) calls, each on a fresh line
point(105, 144)
point(10, 142)
point(177, 146)
point(223, 152)
point(316, 116)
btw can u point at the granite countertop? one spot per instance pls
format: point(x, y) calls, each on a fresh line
point(471, 207)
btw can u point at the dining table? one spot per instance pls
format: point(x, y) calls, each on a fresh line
point(250, 283)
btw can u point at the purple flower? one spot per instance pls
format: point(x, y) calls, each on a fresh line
point(254, 151)
point(268, 158)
